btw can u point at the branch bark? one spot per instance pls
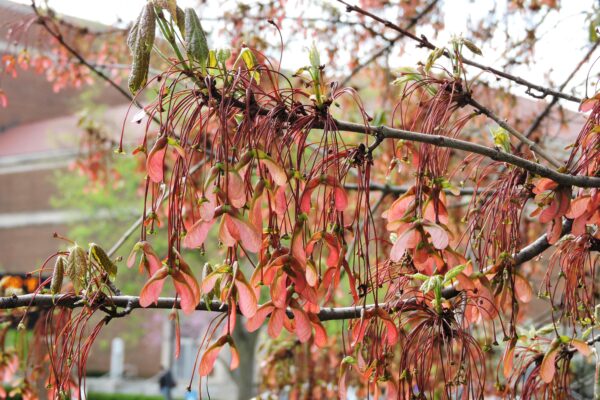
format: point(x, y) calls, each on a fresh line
point(384, 132)
point(394, 189)
point(130, 303)
point(133, 302)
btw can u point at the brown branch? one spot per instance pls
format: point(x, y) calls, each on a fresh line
point(133, 302)
point(382, 131)
point(527, 253)
point(522, 138)
point(538, 120)
point(394, 189)
point(496, 154)
point(391, 43)
point(43, 21)
point(424, 42)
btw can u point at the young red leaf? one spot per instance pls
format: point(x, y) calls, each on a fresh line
point(276, 322)
point(407, 240)
point(340, 198)
point(391, 331)
point(277, 173)
point(278, 291)
point(280, 202)
point(225, 234)
point(209, 282)
point(208, 203)
point(582, 347)
point(399, 208)
point(578, 207)
point(185, 272)
point(305, 199)
point(333, 246)
point(151, 258)
point(245, 233)
point(297, 245)
point(523, 289)
point(430, 212)
point(509, 355)
point(544, 184)
point(235, 356)
point(320, 332)
point(255, 215)
point(133, 255)
point(312, 277)
point(210, 356)
point(174, 316)
point(187, 297)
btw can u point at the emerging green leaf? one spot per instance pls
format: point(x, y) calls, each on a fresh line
point(197, 46)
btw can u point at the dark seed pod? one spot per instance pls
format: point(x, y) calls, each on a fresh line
point(77, 267)
point(197, 46)
point(58, 275)
point(101, 258)
point(140, 42)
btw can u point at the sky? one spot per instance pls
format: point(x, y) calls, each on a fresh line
point(556, 53)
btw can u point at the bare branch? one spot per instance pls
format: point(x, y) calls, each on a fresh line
point(129, 303)
point(538, 120)
point(524, 139)
point(424, 42)
point(494, 154)
point(394, 189)
point(133, 302)
point(391, 43)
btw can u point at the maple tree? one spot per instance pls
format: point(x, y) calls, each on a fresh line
point(434, 294)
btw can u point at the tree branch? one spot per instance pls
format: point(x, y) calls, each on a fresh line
point(538, 120)
point(133, 302)
point(424, 42)
point(522, 138)
point(394, 189)
point(494, 154)
point(527, 253)
point(391, 43)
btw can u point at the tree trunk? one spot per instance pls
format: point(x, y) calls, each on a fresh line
point(244, 375)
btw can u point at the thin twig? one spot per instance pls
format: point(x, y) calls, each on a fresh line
point(522, 138)
point(546, 111)
point(424, 42)
point(117, 245)
point(391, 43)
